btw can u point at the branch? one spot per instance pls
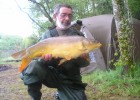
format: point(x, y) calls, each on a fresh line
point(43, 10)
point(47, 3)
point(29, 16)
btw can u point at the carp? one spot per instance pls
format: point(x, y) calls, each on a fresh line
point(65, 47)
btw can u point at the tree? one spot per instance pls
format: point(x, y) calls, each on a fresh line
point(125, 33)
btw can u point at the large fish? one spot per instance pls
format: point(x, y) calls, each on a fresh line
point(66, 47)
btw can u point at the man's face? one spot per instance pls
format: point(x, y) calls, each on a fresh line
point(63, 18)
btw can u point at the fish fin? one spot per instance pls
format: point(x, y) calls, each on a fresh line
point(19, 54)
point(24, 63)
point(62, 61)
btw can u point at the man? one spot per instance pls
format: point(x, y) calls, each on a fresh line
point(65, 77)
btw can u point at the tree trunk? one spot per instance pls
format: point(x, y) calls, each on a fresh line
point(125, 33)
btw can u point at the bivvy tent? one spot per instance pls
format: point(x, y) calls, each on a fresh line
point(102, 28)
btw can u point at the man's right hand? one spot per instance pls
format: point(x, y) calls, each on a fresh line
point(51, 61)
point(47, 57)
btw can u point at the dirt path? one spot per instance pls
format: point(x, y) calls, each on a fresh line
point(9, 86)
point(12, 87)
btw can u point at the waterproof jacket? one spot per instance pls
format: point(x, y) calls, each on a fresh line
point(70, 70)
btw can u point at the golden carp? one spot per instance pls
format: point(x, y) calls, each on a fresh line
point(66, 47)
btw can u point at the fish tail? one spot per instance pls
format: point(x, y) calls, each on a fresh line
point(24, 63)
point(19, 54)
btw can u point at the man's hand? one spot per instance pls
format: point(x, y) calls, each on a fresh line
point(85, 56)
point(47, 57)
point(51, 61)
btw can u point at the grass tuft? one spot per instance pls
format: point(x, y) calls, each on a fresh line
point(112, 82)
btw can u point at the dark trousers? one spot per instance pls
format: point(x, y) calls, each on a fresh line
point(64, 93)
point(38, 73)
point(34, 90)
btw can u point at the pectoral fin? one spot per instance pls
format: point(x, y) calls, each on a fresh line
point(62, 61)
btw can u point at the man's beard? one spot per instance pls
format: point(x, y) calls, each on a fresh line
point(61, 26)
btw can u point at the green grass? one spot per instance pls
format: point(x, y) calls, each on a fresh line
point(112, 82)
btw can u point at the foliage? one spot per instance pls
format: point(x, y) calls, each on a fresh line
point(126, 45)
point(112, 82)
point(8, 42)
point(30, 40)
point(135, 8)
point(14, 42)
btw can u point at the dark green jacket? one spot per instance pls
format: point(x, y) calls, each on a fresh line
point(70, 70)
